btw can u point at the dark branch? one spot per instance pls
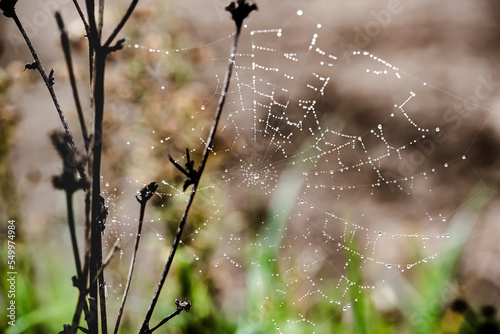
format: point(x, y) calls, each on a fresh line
point(206, 153)
point(144, 196)
point(69, 63)
point(8, 7)
point(82, 16)
point(182, 305)
point(121, 24)
point(189, 171)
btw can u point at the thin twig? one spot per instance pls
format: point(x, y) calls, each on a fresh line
point(116, 247)
point(167, 318)
point(239, 14)
point(145, 194)
point(82, 290)
point(71, 223)
point(81, 306)
point(94, 41)
point(68, 182)
point(49, 85)
point(182, 305)
point(82, 16)
point(101, 222)
point(69, 63)
point(121, 24)
point(93, 36)
point(101, 17)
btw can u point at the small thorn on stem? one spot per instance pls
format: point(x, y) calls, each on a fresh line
point(31, 66)
point(51, 77)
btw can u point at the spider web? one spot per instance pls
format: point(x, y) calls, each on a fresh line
point(329, 165)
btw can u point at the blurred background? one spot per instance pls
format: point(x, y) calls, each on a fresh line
point(274, 243)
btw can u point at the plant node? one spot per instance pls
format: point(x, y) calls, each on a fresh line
point(189, 171)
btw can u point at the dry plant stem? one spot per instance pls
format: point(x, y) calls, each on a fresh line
point(82, 16)
point(74, 243)
point(69, 64)
point(175, 313)
point(87, 31)
point(121, 24)
point(97, 59)
point(116, 247)
point(101, 17)
point(143, 203)
point(82, 292)
point(79, 277)
point(50, 88)
point(93, 38)
point(99, 224)
point(108, 259)
point(208, 147)
point(81, 305)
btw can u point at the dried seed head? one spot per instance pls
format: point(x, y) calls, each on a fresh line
point(7, 7)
